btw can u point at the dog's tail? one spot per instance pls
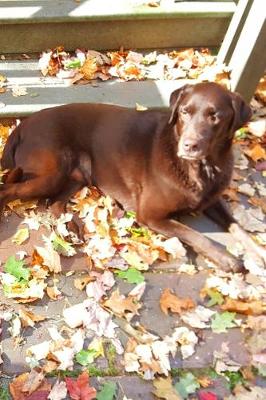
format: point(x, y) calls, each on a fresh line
point(8, 157)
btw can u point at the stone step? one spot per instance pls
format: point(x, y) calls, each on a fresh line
point(31, 26)
point(51, 91)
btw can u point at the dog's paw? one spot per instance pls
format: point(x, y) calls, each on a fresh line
point(231, 264)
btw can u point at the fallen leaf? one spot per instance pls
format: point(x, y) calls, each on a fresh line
point(89, 68)
point(58, 392)
point(79, 389)
point(198, 318)
point(28, 318)
point(140, 107)
point(19, 91)
point(187, 384)
point(21, 236)
point(246, 188)
point(123, 306)
point(33, 381)
point(131, 275)
point(258, 202)
point(53, 292)
point(256, 152)
point(169, 301)
point(165, 390)
point(16, 389)
point(221, 322)
point(107, 392)
point(207, 396)
point(51, 258)
point(242, 307)
point(16, 268)
point(258, 127)
point(81, 283)
point(204, 381)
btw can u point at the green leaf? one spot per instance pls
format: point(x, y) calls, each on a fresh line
point(241, 133)
point(187, 384)
point(139, 232)
point(215, 297)
point(221, 322)
point(107, 392)
point(235, 378)
point(62, 247)
point(131, 275)
point(73, 64)
point(130, 214)
point(16, 268)
point(85, 357)
point(4, 393)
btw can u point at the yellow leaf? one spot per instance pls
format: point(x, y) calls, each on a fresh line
point(256, 152)
point(89, 68)
point(21, 236)
point(164, 389)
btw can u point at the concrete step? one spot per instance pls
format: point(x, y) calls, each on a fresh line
point(44, 92)
point(31, 26)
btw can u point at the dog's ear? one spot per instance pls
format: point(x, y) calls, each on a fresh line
point(175, 100)
point(242, 111)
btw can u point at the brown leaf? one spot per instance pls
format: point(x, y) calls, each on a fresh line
point(53, 292)
point(28, 318)
point(255, 307)
point(175, 304)
point(81, 283)
point(231, 194)
point(256, 152)
point(123, 306)
point(16, 388)
point(164, 389)
point(33, 381)
point(89, 68)
point(204, 381)
point(258, 202)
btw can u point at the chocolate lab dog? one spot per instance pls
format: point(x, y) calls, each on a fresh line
point(158, 163)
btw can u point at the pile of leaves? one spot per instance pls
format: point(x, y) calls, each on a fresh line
point(131, 65)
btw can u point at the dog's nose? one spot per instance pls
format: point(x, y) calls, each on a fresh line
point(190, 146)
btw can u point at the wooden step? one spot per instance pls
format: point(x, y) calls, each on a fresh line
point(51, 91)
point(35, 25)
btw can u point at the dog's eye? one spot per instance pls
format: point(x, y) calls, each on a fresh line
point(213, 115)
point(184, 111)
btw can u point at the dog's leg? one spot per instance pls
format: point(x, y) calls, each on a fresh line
point(198, 242)
point(35, 188)
point(58, 205)
point(220, 214)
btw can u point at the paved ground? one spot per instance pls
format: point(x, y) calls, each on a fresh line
point(159, 277)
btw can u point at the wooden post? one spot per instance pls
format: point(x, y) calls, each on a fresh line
point(234, 31)
point(248, 60)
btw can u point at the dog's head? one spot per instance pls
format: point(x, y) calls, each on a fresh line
point(206, 116)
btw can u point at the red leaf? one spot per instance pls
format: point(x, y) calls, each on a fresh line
point(80, 389)
point(207, 396)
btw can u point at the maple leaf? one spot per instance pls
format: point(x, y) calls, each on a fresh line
point(256, 152)
point(89, 68)
point(131, 275)
point(175, 304)
point(123, 306)
point(255, 307)
point(79, 389)
point(165, 390)
point(16, 268)
point(221, 322)
point(187, 384)
point(207, 396)
point(28, 318)
point(17, 385)
point(107, 392)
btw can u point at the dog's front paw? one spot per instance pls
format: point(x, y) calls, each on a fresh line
point(231, 264)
